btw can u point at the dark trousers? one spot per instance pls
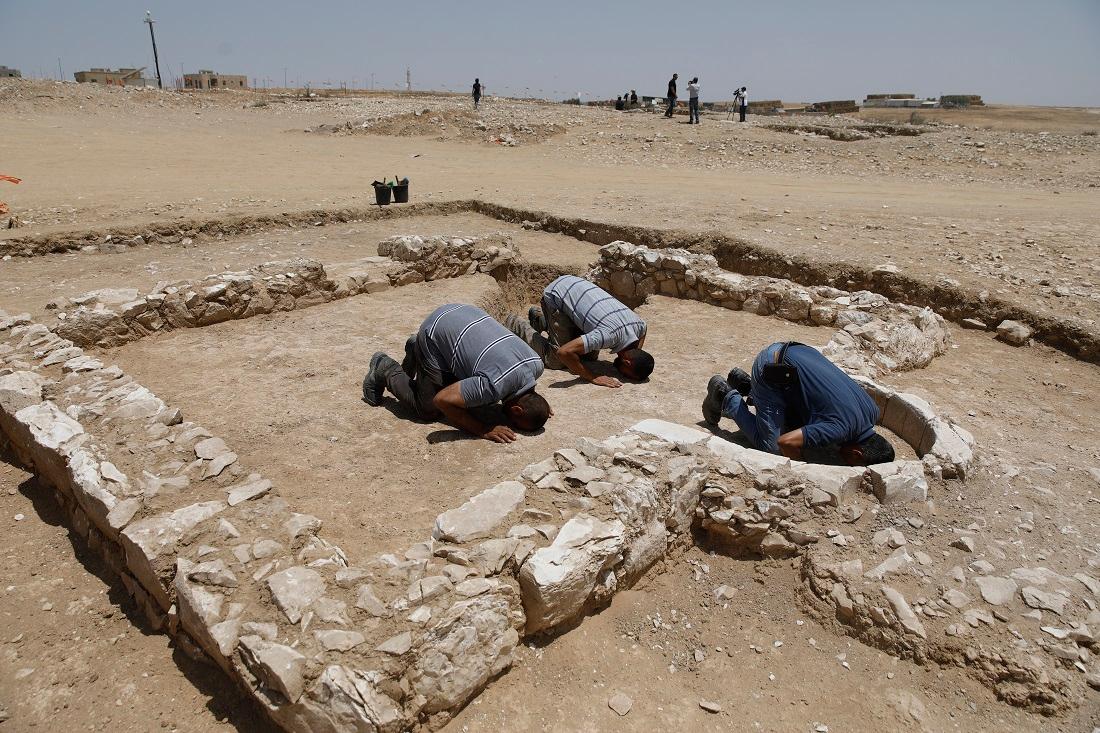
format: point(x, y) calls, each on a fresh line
point(671, 106)
point(411, 385)
point(744, 109)
point(559, 329)
point(693, 110)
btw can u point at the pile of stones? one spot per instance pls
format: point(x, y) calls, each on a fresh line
point(112, 317)
point(876, 336)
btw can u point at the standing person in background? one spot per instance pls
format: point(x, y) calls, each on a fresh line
point(671, 94)
point(693, 101)
point(633, 98)
point(477, 92)
point(744, 99)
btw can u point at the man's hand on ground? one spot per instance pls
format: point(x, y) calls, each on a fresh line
point(604, 381)
point(500, 434)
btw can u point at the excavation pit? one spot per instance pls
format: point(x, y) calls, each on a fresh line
point(305, 450)
point(285, 392)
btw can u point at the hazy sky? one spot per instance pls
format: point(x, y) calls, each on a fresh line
point(1018, 51)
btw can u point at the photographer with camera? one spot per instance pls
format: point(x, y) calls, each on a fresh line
point(805, 408)
point(693, 101)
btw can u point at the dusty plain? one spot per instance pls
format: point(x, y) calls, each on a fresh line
point(1002, 200)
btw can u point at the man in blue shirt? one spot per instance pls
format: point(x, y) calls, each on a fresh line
point(805, 406)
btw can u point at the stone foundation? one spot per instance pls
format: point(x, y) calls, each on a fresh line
point(113, 317)
point(876, 336)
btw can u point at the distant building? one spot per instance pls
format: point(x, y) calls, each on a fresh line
point(207, 79)
point(6, 73)
point(119, 78)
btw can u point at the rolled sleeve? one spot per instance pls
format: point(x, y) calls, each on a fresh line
point(477, 391)
point(594, 341)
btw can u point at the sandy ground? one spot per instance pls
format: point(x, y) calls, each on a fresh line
point(1010, 211)
point(934, 206)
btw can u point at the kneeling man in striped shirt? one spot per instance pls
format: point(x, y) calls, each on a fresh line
point(460, 359)
point(580, 318)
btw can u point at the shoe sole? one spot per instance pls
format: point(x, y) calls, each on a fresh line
point(710, 416)
point(372, 391)
point(711, 413)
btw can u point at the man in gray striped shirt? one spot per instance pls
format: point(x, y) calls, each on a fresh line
point(581, 318)
point(460, 359)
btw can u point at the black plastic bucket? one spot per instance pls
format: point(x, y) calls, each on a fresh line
point(401, 193)
point(382, 195)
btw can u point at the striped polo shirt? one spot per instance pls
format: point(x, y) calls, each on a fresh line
point(605, 322)
point(463, 343)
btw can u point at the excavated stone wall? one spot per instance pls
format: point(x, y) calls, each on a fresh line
point(326, 641)
point(875, 336)
point(952, 301)
point(113, 317)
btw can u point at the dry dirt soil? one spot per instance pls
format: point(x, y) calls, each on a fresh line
point(284, 391)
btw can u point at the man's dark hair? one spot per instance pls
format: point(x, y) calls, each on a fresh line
point(536, 411)
point(877, 449)
point(641, 363)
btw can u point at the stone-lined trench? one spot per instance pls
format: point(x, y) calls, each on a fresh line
point(251, 583)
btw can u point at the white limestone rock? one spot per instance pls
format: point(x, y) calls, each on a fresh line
point(1013, 333)
point(213, 572)
point(670, 432)
point(558, 581)
point(147, 540)
point(338, 640)
point(346, 699)
point(369, 601)
point(995, 590)
point(471, 643)
point(279, 667)
point(210, 448)
point(252, 488)
point(898, 481)
point(1036, 598)
point(904, 613)
point(737, 457)
point(396, 645)
point(839, 482)
point(294, 591)
point(490, 556)
point(480, 515)
point(19, 390)
point(425, 589)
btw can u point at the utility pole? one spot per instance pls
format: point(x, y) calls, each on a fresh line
point(284, 77)
point(408, 79)
point(60, 76)
point(153, 37)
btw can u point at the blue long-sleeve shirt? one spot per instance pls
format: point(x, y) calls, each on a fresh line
point(829, 406)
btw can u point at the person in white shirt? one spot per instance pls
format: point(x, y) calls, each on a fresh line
point(693, 101)
point(744, 106)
